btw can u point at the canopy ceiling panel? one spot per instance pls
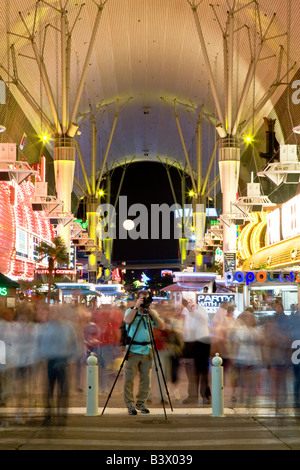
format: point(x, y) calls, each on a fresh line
point(147, 63)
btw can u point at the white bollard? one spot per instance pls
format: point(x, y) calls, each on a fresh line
point(217, 387)
point(92, 385)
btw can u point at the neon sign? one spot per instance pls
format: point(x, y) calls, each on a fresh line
point(261, 276)
point(212, 302)
point(56, 271)
point(3, 291)
point(284, 223)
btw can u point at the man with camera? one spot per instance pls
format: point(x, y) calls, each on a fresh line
point(140, 355)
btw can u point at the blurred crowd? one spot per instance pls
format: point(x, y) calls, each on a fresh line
point(43, 353)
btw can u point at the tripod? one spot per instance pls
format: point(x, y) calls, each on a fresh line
point(146, 319)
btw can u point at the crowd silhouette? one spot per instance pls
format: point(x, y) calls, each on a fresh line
point(46, 348)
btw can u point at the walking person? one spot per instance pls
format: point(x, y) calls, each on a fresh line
point(295, 352)
point(277, 340)
point(58, 345)
point(140, 355)
point(196, 354)
point(248, 338)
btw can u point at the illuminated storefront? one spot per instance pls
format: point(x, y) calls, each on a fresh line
point(97, 294)
point(271, 240)
point(204, 289)
point(262, 288)
point(21, 230)
point(269, 254)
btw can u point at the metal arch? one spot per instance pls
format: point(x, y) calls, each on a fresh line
point(116, 115)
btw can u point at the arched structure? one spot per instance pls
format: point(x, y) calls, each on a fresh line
point(172, 62)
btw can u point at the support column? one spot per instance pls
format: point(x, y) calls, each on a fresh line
point(108, 243)
point(199, 202)
point(229, 167)
point(92, 218)
point(183, 241)
point(182, 248)
point(199, 222)
point(108, 247)
point(64, 167)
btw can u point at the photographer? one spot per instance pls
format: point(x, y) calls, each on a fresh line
point(140, 355)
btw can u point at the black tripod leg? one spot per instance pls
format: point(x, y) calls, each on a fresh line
point(158, 380)
point(155, 353)
point(121, 366)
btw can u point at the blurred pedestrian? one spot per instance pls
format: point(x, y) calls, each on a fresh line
point(218, 330)
point(58, 345)
point(196, 353)
point(109, 318)
point(248, 358)
point(277, 341)
point(168, 346)
point(26, 334)
point(295, 356)
point(176, 347)
point(9, 349)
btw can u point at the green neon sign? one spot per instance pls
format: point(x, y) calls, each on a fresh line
point(3, 291)
point(83, 224)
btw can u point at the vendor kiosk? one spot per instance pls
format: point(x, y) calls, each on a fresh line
point(261, 289)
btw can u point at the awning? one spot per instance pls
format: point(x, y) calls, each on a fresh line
point(192, 286)
point(186, 286)
point(7, 282)
point(115, 293)
point(79, 292)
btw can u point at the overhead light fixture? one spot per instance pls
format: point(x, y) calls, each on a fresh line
point(2, 128)
point(221, 130)
point(296, 130)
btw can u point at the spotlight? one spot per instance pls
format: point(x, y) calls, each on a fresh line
point(221, 130)
point(296, 130)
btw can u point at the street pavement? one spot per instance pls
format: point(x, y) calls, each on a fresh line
point(174, 432)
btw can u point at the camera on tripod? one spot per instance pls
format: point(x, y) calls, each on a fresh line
point(147, 302)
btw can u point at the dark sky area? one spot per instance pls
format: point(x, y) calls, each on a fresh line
point(146, 183)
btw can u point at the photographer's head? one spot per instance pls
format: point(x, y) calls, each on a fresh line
point(144, 298)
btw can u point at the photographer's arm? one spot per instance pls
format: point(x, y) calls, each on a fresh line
point(159, 323)
point(131, 315)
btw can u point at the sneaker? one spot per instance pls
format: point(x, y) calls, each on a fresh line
point(141, 407)
point(132, 410)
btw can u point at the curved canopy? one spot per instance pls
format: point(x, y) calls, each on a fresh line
point(147, 73)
